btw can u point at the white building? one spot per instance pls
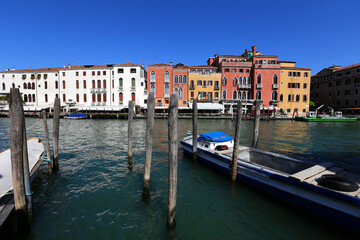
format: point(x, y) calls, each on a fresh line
point(91, 87)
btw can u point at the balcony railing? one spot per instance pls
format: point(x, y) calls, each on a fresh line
point(121, 89)
point(133, 88)
point(275, 86)
point(152, 80)
point(166, 95)
point(244, 86)
point(166, 81)
point(259, 85)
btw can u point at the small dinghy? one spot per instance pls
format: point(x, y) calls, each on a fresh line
point(76, 116)
point(321, 188)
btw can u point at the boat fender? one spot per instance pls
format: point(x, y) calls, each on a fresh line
point(337, 183)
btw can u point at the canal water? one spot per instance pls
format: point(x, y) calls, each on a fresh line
point(95, 196)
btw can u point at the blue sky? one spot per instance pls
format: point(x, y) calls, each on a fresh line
point(315, 34)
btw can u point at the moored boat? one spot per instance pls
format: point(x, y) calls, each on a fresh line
point(321, 188)
point(313, 116)
point(76, 116)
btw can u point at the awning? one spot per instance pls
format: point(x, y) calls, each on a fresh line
point(208, 106)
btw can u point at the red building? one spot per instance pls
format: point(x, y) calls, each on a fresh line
point(166, 79)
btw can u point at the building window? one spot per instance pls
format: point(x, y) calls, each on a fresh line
point(32, 85)
point(77, 84)
point(224, 81)
point(104, 73)
point(167, 90)
point(306, 74)
point(180, 79)
point(77, 74)
point(25, 86)
point(120, 82)
point(234, 81)
point(152, 76)
point(305, 85)
point(93, 83)
point(281, 97)
point(289, 98)
point(104, 97)
point(98, 73)
point(84, 83)
point(184, 79)
point(152, 89)
point(77, 98)
point(209, 83)
point(180, 93)
point(233, 70)
point(113, 84)
point(3, 86)
point(120, 70)
point(63, 74)
point(93, 73)
point(121, 97)
point(64, 98)
point(104, 83)
point(259, 79)
point(166, 76)
point(98, 84)
point(176, 79)
point(113, 97)
point(204, 83)
point(45, 85)
point(275, 79)
point(133, 70)
point(133, 82)
point(227, 70)
point(356, 91)
point(258, 94)
point(297, 97)
point(304, 98)
point(224, 95)
point(63, 85)
point(274, 95)
point(84, 98)
point(56, 95)
point(133, 96)
point(84, 73)
point(99, 97)
point(93, 98)
point(249, 80)
point(199, 82)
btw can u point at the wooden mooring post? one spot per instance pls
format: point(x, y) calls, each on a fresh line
point(17, 154)
point(46, 130)
point(173, 161)
point(256, 123)
point(130, 132)
point(27, 183)
point(236, 141)
point(56, 125)
point(194, 131)
point(148, 142)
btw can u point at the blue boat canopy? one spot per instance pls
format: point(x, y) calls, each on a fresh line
point(74, 115)
point(215, 137)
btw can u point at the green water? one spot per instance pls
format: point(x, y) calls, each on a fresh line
point(95, 196)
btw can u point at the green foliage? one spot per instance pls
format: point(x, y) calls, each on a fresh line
point(32, 76)
point(311, 104)
point(24, 76)
point(38, 76)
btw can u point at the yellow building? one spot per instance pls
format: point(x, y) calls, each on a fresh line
point(294, 88)
point(205, 83)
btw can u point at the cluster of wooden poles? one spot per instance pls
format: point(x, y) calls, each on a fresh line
point(173, 145)
point(19, 155)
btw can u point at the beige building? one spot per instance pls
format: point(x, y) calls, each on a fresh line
point(337, 87)
point(294, 88)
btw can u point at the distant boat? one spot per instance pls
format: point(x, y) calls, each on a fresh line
point(321, 188)
point(76, 116)
point(313, 116)
point(35, 149)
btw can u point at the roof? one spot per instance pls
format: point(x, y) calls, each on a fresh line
point(296, 68)
point(87, 67)
point(215, 137)
point(237, 56)
point(203, 66)
point(127, 64)
point(265, 56)
point(284, 61)
point(32, 70)
point(348, 67)
point(38, 70)
point(159, 65)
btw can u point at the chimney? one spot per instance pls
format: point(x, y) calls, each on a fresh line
point(30, 68)
point(215, 55)
point(253, 49)
point(64, 66)
point(7, 69)
point(170, 63)
point(69, 65)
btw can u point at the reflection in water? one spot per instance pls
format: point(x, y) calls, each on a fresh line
point(94, 196)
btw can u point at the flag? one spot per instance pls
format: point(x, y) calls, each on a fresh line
point(199, 97)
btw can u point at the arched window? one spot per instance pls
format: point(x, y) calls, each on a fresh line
point(180, 79)
point(239, 94)
point(64, 85)
point(99, 97)
point(93, 84)
point(297, 97)
point(29, 85)
point(152, 89)
point(104, 97)
point(77, 98)
point(113, 97)
point(84, 83)
point(33, 97)
point(121, 97)
point(167, 79)
point(112, 83)
point(176, 79)
point(304, 98)
point(234, 95)
point(259, 78)
point(234, 81)
point(104, 83)
point(93, 98)
point(184, 79)
point(281, 97)
point(152, 76)
point(224, 95)
point(244, 80)
point(32, 85)
point(180, 93)
point(26, 98)
point(176, 91)
point(25, 86)
point(56, 95)
point(120, 82)
point(3, 86)
point(275, 79)
point(274, 95)
point(167, 90)
point(98, 83)
point(292, 98)
point(133, 82)
point(84, 98)
point(224, 81)
point(244, 95)
point(258, 95)
point(77, 84)
point(64, 98)
point(30, 98)
point(289, 98)
point(45, 83)
point(249, 80)
point(46, 98)
point(133, 97)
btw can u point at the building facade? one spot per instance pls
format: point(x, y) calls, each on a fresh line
point(337, 87)
point(294, 88)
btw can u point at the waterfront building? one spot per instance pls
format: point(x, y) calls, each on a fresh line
point(294, 85)
point(204, 83)
point(166, 79)
point(90, 87)
point(337, 87)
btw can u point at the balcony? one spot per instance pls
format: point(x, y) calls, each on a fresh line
point(192, 87)
point(93, 104)
point(121, 102)
point(159, 104)
point(152, 80)
point(133, 88)
point(166, 95)
point(275, 86)
point(102, 90)
point(103, 104)
point(216, 87)
point(259, 85)
point(244, 86)
point(166, 81)
point(121, 89)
